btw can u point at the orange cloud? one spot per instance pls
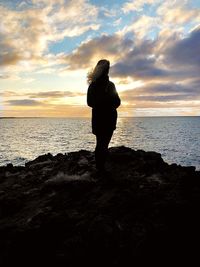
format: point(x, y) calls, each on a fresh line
point(54, 111)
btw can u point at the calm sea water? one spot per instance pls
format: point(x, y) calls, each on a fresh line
point(176, 138)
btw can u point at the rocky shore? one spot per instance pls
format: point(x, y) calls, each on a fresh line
point(57, 211)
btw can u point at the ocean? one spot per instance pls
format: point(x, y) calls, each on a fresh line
point(176, 138)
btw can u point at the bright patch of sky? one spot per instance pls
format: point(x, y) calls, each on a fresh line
point(67, 45)
point(195, 3)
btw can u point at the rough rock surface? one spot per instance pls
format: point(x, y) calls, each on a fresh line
point(57, 211)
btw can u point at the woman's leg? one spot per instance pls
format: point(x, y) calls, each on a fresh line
point(101, 150)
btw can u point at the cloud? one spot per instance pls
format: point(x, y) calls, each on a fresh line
point(25, 32)
point(4, 76)
point(141, 26)
point(106, 46)
point(142, 59)
point(108, 12)
point(174, 58)
point(24, 102)
point(43, 94)
point(117, 22)
point(137, 5)
point(139, 68)
point(8, 54)
point(8, 93)
point(157, 93)
point(162, 98)
point(185, 52)
point(140, 62)
point(55, 94)
point(177, 13)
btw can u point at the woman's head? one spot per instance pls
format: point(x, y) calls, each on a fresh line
point(100, 70)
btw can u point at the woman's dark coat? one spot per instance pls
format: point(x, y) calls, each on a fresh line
point(104, 100)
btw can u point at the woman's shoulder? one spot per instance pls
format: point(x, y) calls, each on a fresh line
point(91, 85)
point(111, 84)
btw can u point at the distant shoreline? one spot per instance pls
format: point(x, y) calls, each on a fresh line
point(90, 117)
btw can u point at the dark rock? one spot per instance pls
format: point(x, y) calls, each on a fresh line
point(9, 166)
point(58, 211)
point(40, 160)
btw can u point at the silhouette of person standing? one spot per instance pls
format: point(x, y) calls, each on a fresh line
point(103, 98)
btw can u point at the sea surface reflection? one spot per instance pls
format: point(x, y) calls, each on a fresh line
point(176, 138)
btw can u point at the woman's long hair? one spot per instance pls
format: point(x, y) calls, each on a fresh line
point(101, 70)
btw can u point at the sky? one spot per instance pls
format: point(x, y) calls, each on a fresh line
point(47, 48)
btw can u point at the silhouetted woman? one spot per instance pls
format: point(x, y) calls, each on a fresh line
point(102, 97)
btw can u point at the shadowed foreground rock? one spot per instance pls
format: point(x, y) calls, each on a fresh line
point(57, 211)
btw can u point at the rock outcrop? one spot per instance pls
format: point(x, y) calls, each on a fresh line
point(57, 211)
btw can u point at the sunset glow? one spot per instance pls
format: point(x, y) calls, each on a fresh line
point(48, 46)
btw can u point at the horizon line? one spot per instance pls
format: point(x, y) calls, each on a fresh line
point(75, 117)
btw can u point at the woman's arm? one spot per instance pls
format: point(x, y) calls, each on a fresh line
point(90, 97)
point(115, 100)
